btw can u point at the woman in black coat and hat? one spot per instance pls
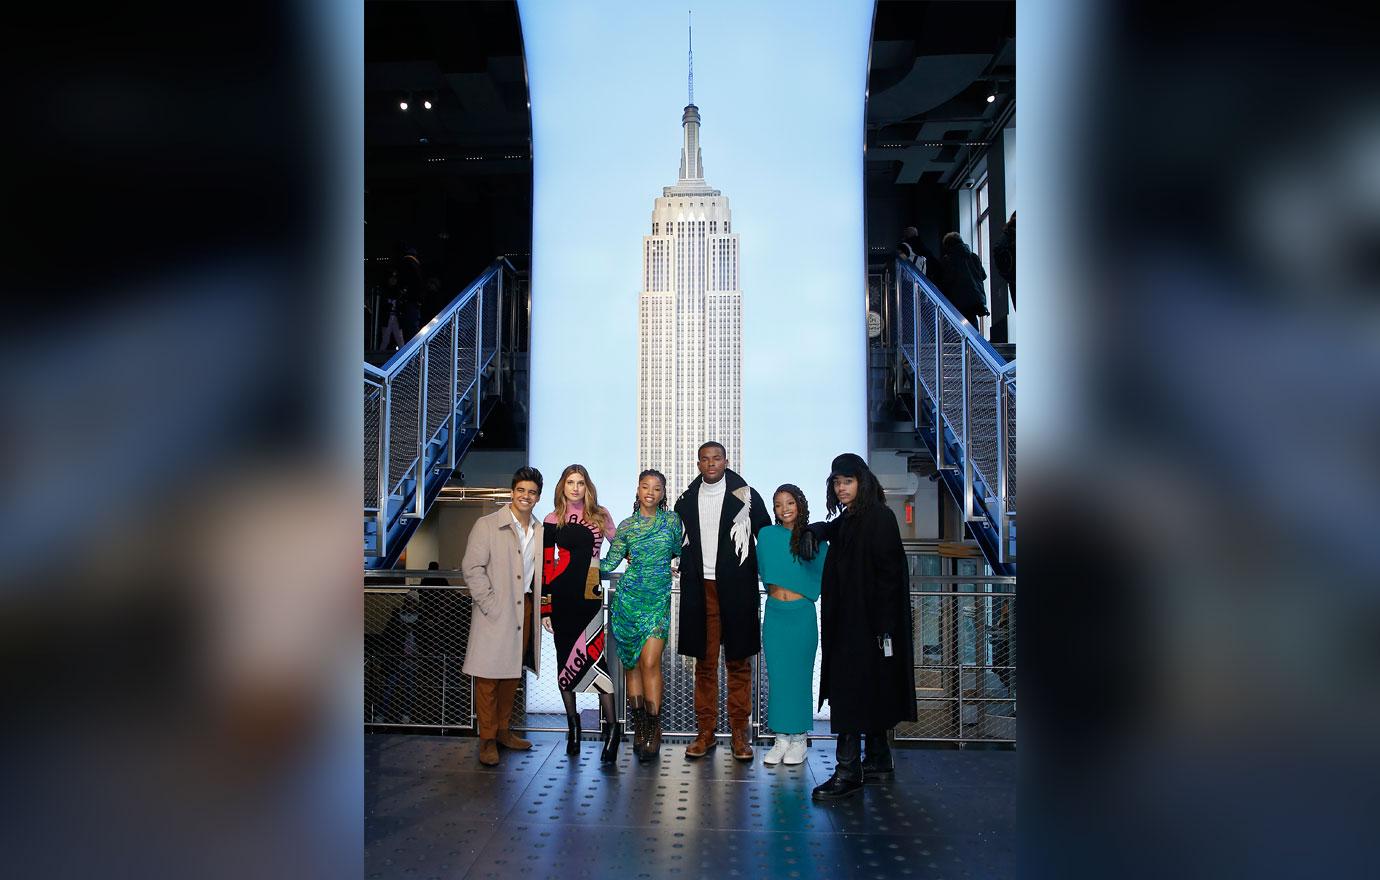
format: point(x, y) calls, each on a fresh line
point(867, 672)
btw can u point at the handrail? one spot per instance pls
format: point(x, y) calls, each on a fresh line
point(394, 364)
point(984, 348)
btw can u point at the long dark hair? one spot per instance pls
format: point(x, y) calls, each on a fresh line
point(802, 516)
point(650, 472)
point(869, 493)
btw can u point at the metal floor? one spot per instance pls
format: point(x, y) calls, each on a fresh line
point(431, 810)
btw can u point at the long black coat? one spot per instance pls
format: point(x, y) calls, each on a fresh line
point(735, 571)
point(961, 282)
point(865, 593)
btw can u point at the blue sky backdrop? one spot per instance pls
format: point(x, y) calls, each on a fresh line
point(780, 87)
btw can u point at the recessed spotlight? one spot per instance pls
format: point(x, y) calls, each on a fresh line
point(992, 97)
point(402, 105)
point(426, 104)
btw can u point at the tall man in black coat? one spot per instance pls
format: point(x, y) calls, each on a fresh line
point(719, 595)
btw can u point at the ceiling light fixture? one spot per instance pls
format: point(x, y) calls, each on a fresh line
point(426, 104)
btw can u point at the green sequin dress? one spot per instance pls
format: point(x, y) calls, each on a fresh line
point(641, 607)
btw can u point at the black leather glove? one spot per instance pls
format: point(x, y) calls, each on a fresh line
point(809, 545)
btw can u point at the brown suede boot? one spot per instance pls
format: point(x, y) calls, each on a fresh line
point(703, 743)
point(510, 740)
point(742, 744)
point(488, 752)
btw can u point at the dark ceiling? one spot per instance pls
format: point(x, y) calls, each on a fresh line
point(456, 180)
point(933, 67)
point(928, 119)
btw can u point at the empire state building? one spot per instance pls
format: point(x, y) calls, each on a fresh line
point(690, 322)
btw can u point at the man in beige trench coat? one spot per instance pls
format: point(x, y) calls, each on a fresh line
point(502, 566)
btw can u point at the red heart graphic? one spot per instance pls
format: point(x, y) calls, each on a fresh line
point(552, 568)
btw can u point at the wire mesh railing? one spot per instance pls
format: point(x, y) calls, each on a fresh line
point(963, 622)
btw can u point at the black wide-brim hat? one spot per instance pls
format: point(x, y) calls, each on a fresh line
point(848, 465)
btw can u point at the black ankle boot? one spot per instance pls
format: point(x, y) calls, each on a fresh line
point(848, 774)
point(652, 739)
point(572, 736)
point(638, 715)
point(878, 765)
point(613, 735)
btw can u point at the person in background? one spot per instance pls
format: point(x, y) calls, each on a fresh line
point(411, 290)
point(400, 638)
point(1004, 256)
point(962, 279)
point(912, 250)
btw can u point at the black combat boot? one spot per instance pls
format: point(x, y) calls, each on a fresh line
point(848, 774)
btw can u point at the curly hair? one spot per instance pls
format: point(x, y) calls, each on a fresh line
point(802, 516)
point(869, 493)
point(650, 472)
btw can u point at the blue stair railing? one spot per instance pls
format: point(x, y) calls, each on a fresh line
point(965, 410)
point(423, 409)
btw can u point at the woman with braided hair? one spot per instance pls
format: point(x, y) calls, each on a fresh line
point(640, 614)
point(790, 630)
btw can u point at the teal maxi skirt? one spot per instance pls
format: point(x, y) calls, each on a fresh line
point(790, 638)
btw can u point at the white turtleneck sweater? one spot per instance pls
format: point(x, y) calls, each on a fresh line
point(711, 506)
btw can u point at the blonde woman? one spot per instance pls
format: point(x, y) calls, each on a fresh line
point(572, 601)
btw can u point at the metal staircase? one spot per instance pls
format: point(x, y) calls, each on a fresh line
point(964, 408)
point(424, 408)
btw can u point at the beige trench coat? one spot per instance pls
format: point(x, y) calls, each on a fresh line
point(493, 572)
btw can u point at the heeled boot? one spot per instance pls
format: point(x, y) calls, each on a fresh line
point(572, 736)
point(613, 736)
point(652, 738)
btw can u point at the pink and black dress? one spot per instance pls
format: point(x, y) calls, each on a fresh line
point(573, 598)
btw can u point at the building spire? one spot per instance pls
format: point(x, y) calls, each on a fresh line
point(691, 163)
point(691, 16)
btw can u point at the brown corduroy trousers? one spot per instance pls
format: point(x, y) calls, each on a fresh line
point(739, 673)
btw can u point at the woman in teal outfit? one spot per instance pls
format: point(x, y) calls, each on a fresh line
point(790, 629)
point(640, 615)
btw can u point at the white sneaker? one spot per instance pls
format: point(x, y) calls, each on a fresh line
point(778, 749)
point(795, 751)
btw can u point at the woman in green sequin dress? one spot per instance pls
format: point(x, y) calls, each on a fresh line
point(640, 614)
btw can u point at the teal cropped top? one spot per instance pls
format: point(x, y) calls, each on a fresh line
point(776, 565)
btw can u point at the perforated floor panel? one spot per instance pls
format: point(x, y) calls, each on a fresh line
point(431, 810)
